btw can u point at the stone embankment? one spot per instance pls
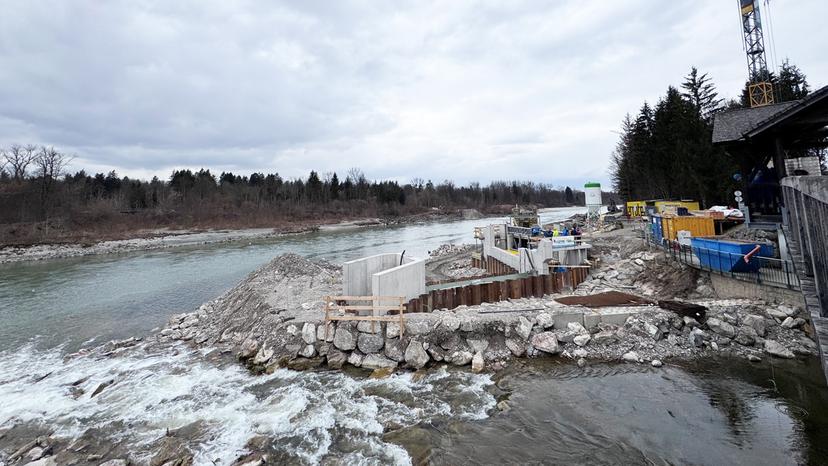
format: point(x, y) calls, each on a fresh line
point(274, 319)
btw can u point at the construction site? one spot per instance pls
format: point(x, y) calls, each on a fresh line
point(670, 328)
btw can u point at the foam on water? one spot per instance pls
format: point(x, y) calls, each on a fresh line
point(305, 416)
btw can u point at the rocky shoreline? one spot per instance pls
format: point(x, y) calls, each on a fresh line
point(274, 319)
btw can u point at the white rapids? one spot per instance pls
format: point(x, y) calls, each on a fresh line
point(306, 416)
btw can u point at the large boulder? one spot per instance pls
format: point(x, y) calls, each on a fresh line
point(581, 340)
point(370, 342)
point(394, 349)
point(478, 364)
point(377, 361)
point(697, 337)
point(774, 348)
point(524, 328)
point(366, 326)
point(355, 359)
point(721, 327)
point(263, 356)
point(450, 322)
point(757, 323)
point(604, 337)
point(631, 356)
point(325, 332)
point(248, 349)
point(309, 333)
point(790, 322)
point(460, 358)
point(517, 347)
point(746, 336)
point(546, 342)
point(415, 355)
point(344, 339)
point(392, 330)
point(545, 321)
point(417, 327)
point(336, 359)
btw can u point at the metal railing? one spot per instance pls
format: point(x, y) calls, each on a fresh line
point(768, 270)
point(806, 208)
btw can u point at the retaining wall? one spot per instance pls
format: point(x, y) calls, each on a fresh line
point(473, 295)
point(731, 288)
point(382, 275)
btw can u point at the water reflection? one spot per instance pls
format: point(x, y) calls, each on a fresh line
point(707, 412)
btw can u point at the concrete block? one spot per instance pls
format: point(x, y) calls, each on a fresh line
point(591, 319)
point(615, 316)
point(564, 317)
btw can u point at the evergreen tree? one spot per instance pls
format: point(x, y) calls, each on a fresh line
point(791, 84)
point(701, 93)
point(334, 187)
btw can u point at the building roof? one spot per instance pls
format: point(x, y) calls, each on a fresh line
point(732, 125)
point(744, 123)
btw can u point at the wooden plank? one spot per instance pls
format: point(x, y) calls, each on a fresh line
point(365, 308)
point(367, 318)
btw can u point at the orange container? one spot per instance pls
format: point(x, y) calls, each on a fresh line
point(697, 226)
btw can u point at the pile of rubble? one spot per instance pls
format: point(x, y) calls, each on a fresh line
point(632, 267)
point(452, 262)
point(288, 288)
point(450, 248)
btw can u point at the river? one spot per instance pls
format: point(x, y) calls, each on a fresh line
point(715, 412)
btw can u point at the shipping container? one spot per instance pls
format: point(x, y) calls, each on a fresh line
point(663, 206)
point(697, 226)
point(635, 208)
point(656, 228)
point(728, 255)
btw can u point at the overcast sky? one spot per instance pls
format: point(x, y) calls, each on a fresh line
point(460, 90)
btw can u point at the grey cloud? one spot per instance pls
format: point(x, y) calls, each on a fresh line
point(469, 91)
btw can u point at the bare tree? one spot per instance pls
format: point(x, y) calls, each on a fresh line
point(356, 175)
point(19, 158)
point(50, 164)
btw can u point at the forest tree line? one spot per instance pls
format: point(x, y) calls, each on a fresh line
point(35, 189)
point(666, 151)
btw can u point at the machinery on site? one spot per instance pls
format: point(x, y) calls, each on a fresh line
point(760, 89)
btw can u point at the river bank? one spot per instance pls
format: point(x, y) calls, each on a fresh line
point(165, 238)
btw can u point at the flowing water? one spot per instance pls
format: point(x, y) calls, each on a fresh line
point(711, 412)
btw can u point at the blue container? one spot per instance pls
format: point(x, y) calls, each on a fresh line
point(727, 255)
point(656, 228)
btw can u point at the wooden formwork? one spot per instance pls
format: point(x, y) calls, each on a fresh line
point(394, 312)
